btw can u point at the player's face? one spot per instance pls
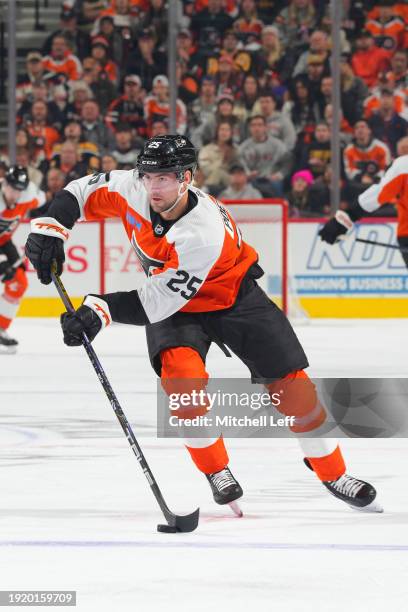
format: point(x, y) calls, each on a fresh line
point(162, 189)
point(11, 195)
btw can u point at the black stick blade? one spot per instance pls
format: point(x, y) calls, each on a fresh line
point(183, 523)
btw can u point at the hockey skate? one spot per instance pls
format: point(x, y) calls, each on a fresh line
point(225, 489)
point(358, 494)
point(7, 345)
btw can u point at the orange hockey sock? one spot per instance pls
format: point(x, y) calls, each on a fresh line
point(211, 458)
point(329, 467)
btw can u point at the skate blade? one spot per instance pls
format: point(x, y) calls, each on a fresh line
point(8, 350)
point(236, 509)
point(375, 506)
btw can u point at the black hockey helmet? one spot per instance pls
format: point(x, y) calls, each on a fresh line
point(17, 177)
point(170, 153)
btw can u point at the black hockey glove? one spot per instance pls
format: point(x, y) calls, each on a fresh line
point(336, 228)
point(44, 244)
point(7, 271)
point(90, 318)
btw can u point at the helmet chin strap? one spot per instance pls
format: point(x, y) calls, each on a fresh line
point(177, 200)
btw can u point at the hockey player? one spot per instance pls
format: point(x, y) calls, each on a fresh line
point(18, 198)
point(393, 188)
point(200, 288)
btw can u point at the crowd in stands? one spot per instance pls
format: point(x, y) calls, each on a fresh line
point(254, 94)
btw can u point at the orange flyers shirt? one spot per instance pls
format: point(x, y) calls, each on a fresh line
point(393, 188)
point(196, 266)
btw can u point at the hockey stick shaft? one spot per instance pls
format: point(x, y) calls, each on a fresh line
point(113, 400)
point(396, 247)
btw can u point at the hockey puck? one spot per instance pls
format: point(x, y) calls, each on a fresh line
point(166, 529)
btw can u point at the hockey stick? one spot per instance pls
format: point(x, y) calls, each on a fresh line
point(384, 244)
point(175, 522)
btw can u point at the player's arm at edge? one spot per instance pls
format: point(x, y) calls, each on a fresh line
point(339, 226)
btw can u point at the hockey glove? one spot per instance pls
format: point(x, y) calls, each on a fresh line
point(44, 244)
point(7, 271)
point(90, 318)
point(336, 228)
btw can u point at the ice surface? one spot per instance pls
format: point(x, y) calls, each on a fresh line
point(76, 512)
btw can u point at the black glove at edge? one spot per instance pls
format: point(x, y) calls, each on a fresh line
point(82, 320)
point(41, 251)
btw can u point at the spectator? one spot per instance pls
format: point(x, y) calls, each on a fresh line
point(387, 125)
point(128, 108)
point(270, 56)
point(124, 151)
point(118, 45)
point(215, 158)
point(157, 105)
point(61, 61)
point(353, 92)
point(55, 181)
point(346, 131)
point(81, 93)
point(88, 11)
point(249, 96)
point(232, 46)
point(99, 52)
point(87, 150)
point(77, 40)
point(93, 128)
point(145, 60)
point(39, 92)
point(397, 76)
point(387, 29)
point(225, 111)
point(314, 75)
point(156, 18)
point(373, 102)
point(68, 161)
point(279, 124)
point(125, 15)
point(26, 141)
point(187, 51)
point(295, 22)
point(248, 23)
point(159, 127)
point(44, 135)
point(204, 107)
point(265, 158)
point(60, 110)
point(227, 76)
point(298, 196)
point(186, 83)
point(108, 163)
point(238, 186)
point(318, 45)
point(319, 196)
point(212, 17)
point(402, 146)
point(100, 85)
point(326, 89)
point(368, 61)
point(23, 158)
point(365, 156)
point(301, 108)
point(34, 75)
point(316, 156)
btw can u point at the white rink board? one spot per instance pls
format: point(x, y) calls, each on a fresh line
point(82, 268)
